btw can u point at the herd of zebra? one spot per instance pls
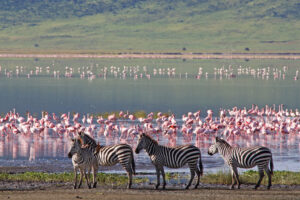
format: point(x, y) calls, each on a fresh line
point(87, 155)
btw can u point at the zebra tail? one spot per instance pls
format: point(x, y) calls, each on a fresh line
point(132, 163)
point(271, 165)
point(200, 165)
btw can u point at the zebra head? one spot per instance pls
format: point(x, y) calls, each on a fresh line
point(213, 149)
point(75, 147)
point(141, 143)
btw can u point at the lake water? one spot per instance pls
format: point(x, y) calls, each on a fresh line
point(167, 85)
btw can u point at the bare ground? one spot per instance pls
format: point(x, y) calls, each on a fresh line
point(293, 56)
point(62, 191)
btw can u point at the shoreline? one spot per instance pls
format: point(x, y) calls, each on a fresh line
point(172, 55)
point(60, 191)
point(37, 187)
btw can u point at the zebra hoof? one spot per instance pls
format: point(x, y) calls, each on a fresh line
point(231, 187)
point(156, 187)
point(187, 187)
point(74, 187)
point(269, 187)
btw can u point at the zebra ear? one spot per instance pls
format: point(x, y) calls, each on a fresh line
point(217, 139)
point(81, 133)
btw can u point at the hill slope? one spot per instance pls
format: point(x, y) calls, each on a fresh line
point(150, 25)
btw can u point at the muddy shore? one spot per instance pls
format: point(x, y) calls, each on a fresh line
point(62, 191)
point(293, 56)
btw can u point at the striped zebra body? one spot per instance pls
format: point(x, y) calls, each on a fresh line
point(111, 155)
point(83, 160)
point(250, 157)
point(171, 157)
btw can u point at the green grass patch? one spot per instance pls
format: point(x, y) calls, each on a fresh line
point(251, 177)
point(102, 178)
point(221, 177)
point(150, 26)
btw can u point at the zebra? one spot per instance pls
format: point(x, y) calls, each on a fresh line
point(111, 155)
point(244, 158)
point(171, 157)
point(83, 159)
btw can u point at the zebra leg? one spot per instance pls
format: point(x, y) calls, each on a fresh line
point(164, 177)
point(269, 177)
point(235, 177)
point(191, 179)
point(81, 176)
point(198, 180)
point(129, 174)
point(261, 176)
point(95, 177)
point(158, 177)
point(87, 177)
point(75, 178)
point(128, 168)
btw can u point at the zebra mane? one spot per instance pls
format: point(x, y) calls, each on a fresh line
point(86, 139)
point(222, 141)
point(150, 138)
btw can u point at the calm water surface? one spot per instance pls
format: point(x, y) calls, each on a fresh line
point(51, 151)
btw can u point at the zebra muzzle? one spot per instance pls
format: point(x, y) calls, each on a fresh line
point(70, 155)
point(137, 151)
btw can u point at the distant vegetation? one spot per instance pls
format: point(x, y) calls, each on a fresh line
point(150, 25)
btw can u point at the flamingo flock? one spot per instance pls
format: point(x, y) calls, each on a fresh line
point(143, 72)
point(47, 136)
point(124, 126)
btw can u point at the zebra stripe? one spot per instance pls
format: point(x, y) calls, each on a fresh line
point(111, 155)
point(244, 158)
point(171, 157)
point(83, 159)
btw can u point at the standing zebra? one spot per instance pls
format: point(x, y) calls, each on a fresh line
point(244, 158)
point(83, 159)
point(111, 155)
point(171, 157)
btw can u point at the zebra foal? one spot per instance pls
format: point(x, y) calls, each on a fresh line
point(111, 155)
point(244, 158)
point(83, 159)
point(171, 157)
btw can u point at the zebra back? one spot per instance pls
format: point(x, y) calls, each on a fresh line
point(171, 157)
point(244, 157)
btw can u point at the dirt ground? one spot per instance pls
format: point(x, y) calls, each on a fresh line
point(157, 55)
point(63, 191)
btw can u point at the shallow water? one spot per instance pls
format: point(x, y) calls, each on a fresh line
point(48, 153)
point(188, 89)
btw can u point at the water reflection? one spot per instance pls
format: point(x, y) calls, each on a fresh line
point(49, 146)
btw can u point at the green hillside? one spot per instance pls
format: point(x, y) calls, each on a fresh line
point(150, 26)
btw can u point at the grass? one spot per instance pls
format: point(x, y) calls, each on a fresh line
point(160, 26)
point(102, 178)
point(249, 177)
